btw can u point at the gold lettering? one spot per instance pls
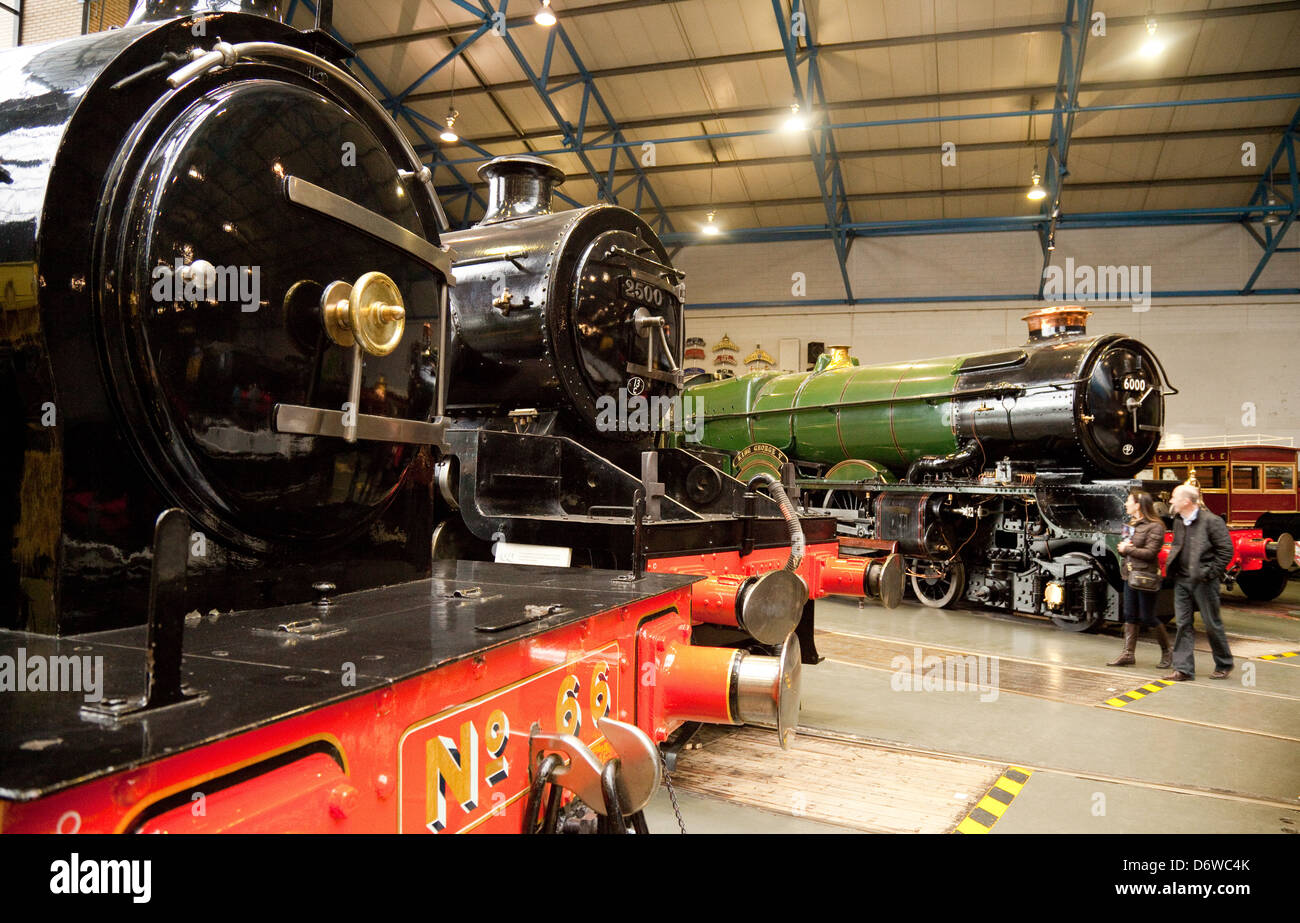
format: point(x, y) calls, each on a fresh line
point(498, 735)
point(568, 712)
point(450, 766)
point(600, 691)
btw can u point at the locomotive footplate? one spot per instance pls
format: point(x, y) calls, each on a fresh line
point(329, 651)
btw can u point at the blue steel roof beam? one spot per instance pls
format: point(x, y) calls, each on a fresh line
point(1275, 238)
point(883, 123)
point(1163, 217)
point(547, 57)
point(1074, 45)
point(993, 297)
point(446, 59)
point(614, 130)
point(582, 112)
point(821, 138)
point(1265, 183)
point(386, 97)
point(573, 136)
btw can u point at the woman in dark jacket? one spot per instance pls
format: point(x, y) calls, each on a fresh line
point(1141, 554)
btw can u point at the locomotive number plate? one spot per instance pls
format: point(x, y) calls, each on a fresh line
point(468, 766)
point(646, 293)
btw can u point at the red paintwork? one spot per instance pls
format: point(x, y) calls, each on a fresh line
point(841, 576)
point(385, 739)
point(1248, 550)
point(1239, 508)
point(442, 731)
point(678, 682)
point(823, 571)
point(713, 599)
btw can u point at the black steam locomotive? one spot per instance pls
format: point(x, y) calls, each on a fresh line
point(227, 294)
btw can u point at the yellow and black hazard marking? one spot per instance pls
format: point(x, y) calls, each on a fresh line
point(1125, 698)
point(1281, 656)
point(995, 803)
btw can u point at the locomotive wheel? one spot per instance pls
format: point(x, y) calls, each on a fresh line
point(1262, 585)
point(839, 500)
point(1083, 623)
point(942, 589)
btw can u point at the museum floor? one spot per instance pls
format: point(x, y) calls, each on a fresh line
point(1051, 743)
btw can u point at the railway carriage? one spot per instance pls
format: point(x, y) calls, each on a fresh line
point(1254, 488)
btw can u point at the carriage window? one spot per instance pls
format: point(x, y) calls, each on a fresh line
point(1245, 477)
point(1173, 474)
point(1211, 477)
point(1279, 477)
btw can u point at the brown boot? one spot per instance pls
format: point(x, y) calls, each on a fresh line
point(1166, 649)
point(1126, 659)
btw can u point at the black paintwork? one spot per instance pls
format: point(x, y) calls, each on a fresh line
point(1061, 403)
point(253, 675)
point(567, 336)
point(552, 490)
point(168, 403)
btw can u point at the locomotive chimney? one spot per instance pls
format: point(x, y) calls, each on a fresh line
point(519, 186)
point(163, 10)
point(839, 357)
point(1051, 323)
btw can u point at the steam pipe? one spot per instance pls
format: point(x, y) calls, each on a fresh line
point(968, 459)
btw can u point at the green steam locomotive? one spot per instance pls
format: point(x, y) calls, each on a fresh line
point(1001, 476)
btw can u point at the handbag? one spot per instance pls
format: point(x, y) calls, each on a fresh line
point(1146, 582)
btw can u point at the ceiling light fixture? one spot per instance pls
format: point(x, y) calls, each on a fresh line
point(1152, 46)
point(449, 133)
point(710, 228)
point(795, 121)
point(545, 17)
point(1036, 191)
point(1272, 219)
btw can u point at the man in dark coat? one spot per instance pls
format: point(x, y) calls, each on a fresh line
point(1197, 560)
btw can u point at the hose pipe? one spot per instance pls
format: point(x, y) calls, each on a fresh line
point(797, 543)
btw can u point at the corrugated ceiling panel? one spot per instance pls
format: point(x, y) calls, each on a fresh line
point(1014, 63)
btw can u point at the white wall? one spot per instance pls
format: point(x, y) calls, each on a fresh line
point(1221, 353)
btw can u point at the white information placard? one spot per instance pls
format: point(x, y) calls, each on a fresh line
point(519, 553)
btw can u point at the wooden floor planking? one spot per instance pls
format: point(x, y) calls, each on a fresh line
point(848, 784)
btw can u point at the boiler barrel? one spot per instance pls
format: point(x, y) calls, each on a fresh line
point(1082, 401)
